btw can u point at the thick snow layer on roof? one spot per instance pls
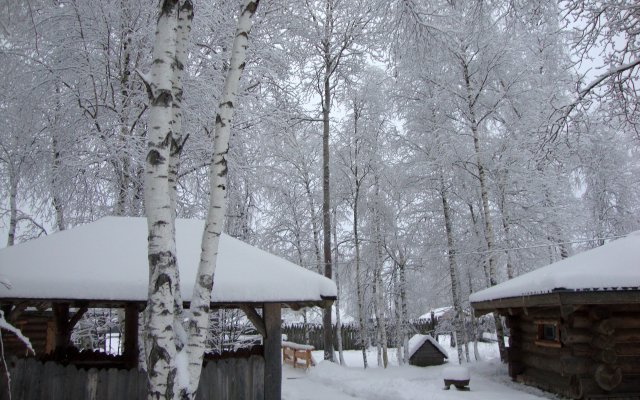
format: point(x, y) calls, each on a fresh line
point(107, 260)
point(417, 341)
point(613, 266)
point(437, 313)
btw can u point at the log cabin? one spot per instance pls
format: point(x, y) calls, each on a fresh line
point(574, 325)
point(57, 278)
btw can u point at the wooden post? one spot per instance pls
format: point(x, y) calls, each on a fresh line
point(63, 332)
point(131, 335)
point(272, 356)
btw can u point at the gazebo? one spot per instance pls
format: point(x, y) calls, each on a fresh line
point(575, 324)
point(56, 279)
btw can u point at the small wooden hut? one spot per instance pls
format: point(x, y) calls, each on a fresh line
point(575, 325)
point(424, 351)
point(56, 279)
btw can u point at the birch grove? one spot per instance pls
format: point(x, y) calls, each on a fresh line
point(415, 151)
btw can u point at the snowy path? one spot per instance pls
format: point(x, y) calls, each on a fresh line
point(489, 381)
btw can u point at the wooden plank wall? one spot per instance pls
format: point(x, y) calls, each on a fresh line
point(232, 378)
point(600, 352)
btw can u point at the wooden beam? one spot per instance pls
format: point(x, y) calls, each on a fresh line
point(255, 319)
point(62, 330)
point(76, 317)
point(130, 352)
point(272, 355)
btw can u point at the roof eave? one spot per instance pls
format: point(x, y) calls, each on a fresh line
point(324, 301)
point(558, 298)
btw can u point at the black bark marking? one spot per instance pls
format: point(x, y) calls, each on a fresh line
point(157, 354)
point(178, 64)
point(206, 281)
point(252, 7)
point(154, 158)
point(156, 258)
point(242, 66)
point(167, 6)
point(187, 7)
point(163, 279)
point(227, 104)
point(163, 99)
point(219, 121)
point(171, 381)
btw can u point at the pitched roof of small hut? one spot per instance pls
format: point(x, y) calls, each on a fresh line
point(107, 261)
point(418, 340)
point(611, 270)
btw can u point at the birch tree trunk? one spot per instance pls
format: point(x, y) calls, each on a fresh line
point(484, 195)
point(160, 345)
point(452, 268)
point(337, 302)
point(403, 306)
point(199, 320)
point(326, 196)
point(13, 207)
point(379, 298)
point(359, 289)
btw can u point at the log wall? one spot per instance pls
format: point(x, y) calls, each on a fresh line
point(599, 353)
point(230, 378)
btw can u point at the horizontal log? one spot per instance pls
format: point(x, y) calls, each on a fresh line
point(630, 365)
point(570, 336)
point(564, 365)
point(526, 327)
point(627, 336)
point(604, 327)
point(579, 320)
point(568, 386)
point(618, 320)
point(607, 356)
point(599, 313)
point(603, 342)
point(627, 349)
point(531, 347)
point(542, 312)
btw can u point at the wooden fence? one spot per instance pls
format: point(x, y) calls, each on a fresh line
point(227, 378)
point(350, 334)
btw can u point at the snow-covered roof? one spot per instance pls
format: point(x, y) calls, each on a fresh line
point(417, 341)
point(437, 313)
point(614, 266)
point(107, 260)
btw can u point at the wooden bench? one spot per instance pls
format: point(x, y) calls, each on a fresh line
point(297, 355)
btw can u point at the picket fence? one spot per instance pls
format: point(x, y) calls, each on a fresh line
point(230, 378)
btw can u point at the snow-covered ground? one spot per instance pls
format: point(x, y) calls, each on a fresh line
point(489, 380)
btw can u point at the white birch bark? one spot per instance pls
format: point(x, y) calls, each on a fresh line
point(337, 302)
point(199, 322)
point(379, 298)
point(484, 196)
point(160, 335)
point(457, 319)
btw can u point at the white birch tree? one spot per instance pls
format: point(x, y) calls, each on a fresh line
point(174, 356)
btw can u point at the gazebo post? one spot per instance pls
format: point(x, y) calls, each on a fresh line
point(62, 329)
point(272, 351)
point(130, 351)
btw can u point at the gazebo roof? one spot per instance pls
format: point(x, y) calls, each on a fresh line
point(610, 272)
point(106, 261)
